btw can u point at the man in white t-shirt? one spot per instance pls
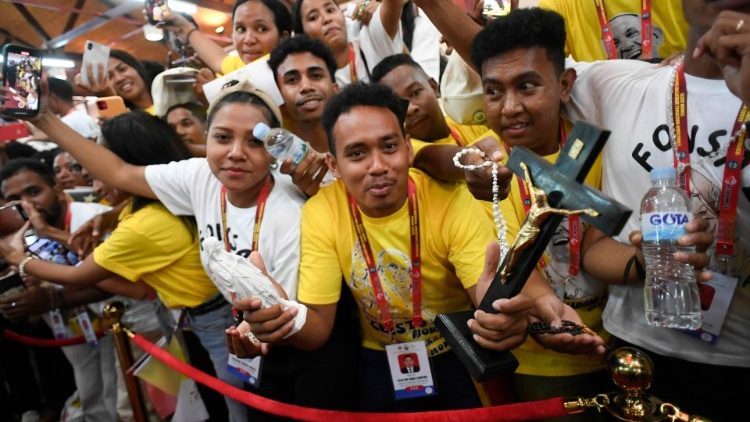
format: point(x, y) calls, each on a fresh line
point(61, 103)
point(634, 101)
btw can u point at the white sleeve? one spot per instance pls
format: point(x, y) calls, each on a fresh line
point(425, 46)
point(375, 43)
point(173, 183)
point(285, 264)
point(582, 105)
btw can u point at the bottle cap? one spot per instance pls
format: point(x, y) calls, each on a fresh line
point(661, 173)
point(261, 131)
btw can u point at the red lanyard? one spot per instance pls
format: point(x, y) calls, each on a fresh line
point(68, 216)
point(372, 270)
point(609, 39)
point(731, 181)
point(352, 64)
point(574, 221)
point(457, 136)
point(260, 208)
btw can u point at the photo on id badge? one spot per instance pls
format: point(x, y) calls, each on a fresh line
point(410, 370)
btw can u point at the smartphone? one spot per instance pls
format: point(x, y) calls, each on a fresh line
point(12, 218)
point(155, 10)
point(12, 131)
point(96, 55)
point(108, 107)
point(22, 75)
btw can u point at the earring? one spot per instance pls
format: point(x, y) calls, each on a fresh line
point(274, 165)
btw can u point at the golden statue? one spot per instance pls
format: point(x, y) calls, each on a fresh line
point(538, 213)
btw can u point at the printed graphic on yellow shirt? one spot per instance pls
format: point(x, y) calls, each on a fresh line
point(394, 269)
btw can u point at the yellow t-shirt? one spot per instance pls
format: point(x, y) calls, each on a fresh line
point(159, 248)
point(230, 64)
point(584, 34)
point(151, 110)
point(584, 294)
point(454, 233)
point(468, 134)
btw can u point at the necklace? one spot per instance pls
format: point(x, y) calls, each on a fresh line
point(502, 228)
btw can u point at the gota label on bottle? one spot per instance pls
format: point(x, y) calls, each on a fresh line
point(669, 225)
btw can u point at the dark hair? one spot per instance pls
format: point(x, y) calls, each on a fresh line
point(141, 139)
point(13, 167)
point(297, 17)
point(281, 16)
point(391, 62)
point(153, 68)
point(522, 28)
point(60, 88)
point(131, 61)
point(243, 97)
point(302, 44)
point(360, 94)
point(15, 149)
point(198, 111)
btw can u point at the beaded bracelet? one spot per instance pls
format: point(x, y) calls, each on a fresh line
point(22, 265)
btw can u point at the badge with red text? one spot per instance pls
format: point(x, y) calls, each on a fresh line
point(410, 370)
point(248, 370)
point(715, 296)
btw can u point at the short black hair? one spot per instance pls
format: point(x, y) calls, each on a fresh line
point(141, 139)
point(302, 44)
point(13, 167)
point(522, 28)
point(297, 17)
point(360, 94)
point(281, 16)
point(391, 62)
point(60, 88)
point(197, 110)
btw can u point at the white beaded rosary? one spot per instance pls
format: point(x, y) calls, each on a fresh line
point(502, 228)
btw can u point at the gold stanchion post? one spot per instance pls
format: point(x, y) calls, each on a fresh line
point(113, 313)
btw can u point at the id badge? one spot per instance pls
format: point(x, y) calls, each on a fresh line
point(716, 296)
point(410, 370)
point(58, 324)
point(88, 330)
point(248, 370)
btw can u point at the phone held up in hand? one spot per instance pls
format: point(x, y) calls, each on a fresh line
point(155, 11)
point(22, 77)
point(96, 56)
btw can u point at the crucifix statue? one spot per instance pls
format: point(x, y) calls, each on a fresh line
point(556, 190)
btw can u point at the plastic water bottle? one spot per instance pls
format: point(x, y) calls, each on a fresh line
point(284, 145)
point(671, 292)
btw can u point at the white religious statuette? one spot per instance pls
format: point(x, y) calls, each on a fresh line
point(502, 228)
point(237, 278)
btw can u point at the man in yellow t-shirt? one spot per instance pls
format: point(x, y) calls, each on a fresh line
point(362, 229)
point(426, 124)
point(584, 27)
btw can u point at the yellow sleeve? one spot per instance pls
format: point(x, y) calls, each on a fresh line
point(230, 64)
point(145, 242)
point(320, 272)
point(468, 231)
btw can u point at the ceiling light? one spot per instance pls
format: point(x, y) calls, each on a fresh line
point(182, 6)
point(220, 29)
point(153, 33)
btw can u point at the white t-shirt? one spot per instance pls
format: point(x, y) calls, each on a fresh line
point(374, 44)
point(82, 123)
point(189, 188)
point(637, 94)
point(425, 46)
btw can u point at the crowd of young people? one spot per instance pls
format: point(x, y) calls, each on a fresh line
point(402, 234)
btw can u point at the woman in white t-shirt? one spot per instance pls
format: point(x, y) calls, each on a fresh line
point(323, 20)
point(222, 192)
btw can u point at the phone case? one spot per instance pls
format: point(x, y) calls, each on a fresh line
point(109, 107)
point(95, 54)
point(22, 75)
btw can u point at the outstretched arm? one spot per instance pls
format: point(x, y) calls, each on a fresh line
point(457, 27)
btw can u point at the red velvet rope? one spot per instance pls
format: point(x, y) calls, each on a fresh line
point(45, 342)
point(542, 409)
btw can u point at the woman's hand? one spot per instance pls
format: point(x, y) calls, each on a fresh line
point(13, 247)
point(98, 82)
